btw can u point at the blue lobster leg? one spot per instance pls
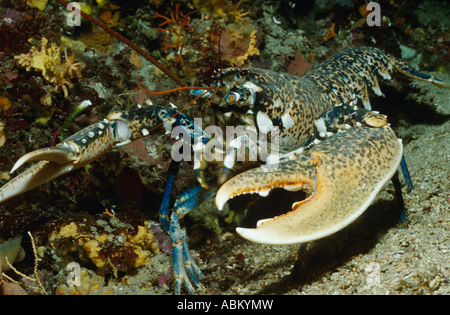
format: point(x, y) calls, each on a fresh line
point(164, 207)
point(185, 268)
point(188, 200)
point(398, 191)
point(178, 255)
point(406, 174)
point(165, 203)
point(192, 269)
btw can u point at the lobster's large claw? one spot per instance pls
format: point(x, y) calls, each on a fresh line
point(345, 171)
point(34, 176)
point(76, 151)
point(91, 142)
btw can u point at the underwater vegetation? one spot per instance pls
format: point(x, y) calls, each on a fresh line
point(48, 68)
point(114, 249)
point(48, 60)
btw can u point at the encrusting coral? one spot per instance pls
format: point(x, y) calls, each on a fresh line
point(90, 284)
point(251, 51)
point(39, 4)
point(110, 251)
point(49, 61)
point(237, 46)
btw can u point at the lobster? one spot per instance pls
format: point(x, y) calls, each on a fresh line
point(329, 143)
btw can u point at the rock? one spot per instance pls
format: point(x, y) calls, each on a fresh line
point(12, 250)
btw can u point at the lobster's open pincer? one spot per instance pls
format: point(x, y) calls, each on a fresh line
point(345, 172)
point(76, 151)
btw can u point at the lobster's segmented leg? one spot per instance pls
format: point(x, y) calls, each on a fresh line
point(403, 217)
point(341, 118)
point(164, 208)
point(191, 199)
point(178, 255)
point(186, 268)
point(398, 193)
point(406, 174)
point(193, 270)
point(141, 123)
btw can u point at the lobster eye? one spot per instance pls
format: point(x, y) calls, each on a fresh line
point(232, 97)
point(243, 73)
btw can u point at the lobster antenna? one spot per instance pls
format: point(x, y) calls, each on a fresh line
point(129, 43)
point(173, 90)
point(220, 57)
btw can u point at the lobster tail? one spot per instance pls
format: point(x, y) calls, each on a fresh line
point(351, 72)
